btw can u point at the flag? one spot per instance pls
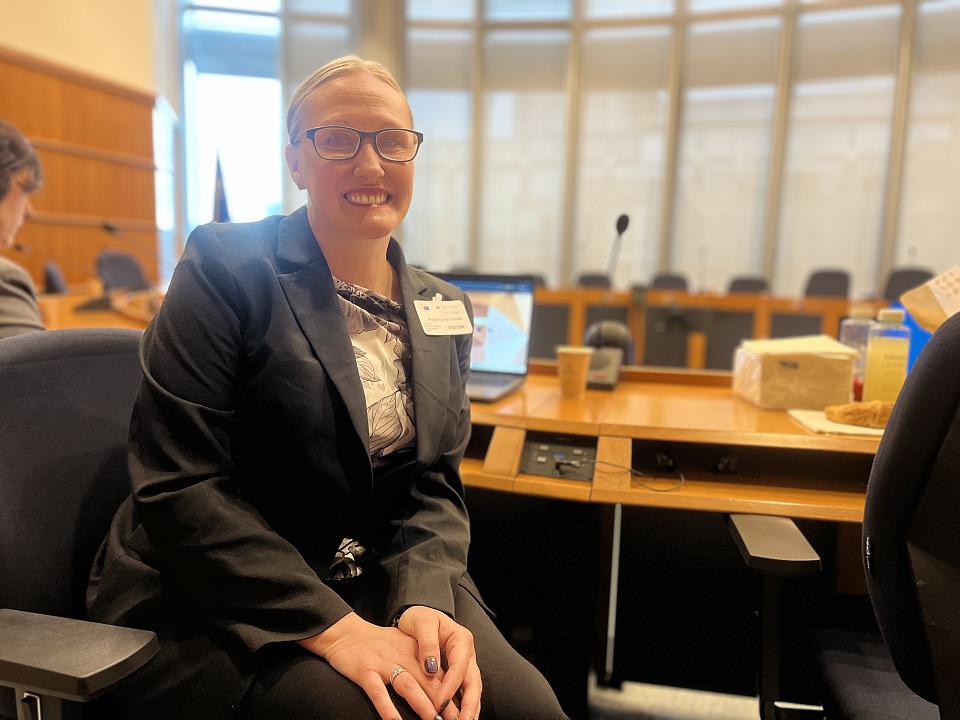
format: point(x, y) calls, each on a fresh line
point(221, 212)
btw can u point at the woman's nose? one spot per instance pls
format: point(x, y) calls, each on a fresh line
point(368, 162)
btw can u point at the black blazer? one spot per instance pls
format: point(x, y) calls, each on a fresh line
point(248, 452)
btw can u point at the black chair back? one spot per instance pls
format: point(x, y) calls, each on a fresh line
point(911, 532)
point(669, 281)
point(65, 403)
point(828, 283)
point(120, 271)
point(599, 280)
point(747, 284)
point(903, 279)
point(53, 281)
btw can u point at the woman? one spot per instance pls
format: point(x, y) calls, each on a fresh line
point(297, 534)
point(20, 176)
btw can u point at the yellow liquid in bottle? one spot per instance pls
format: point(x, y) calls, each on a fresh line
point(886, 368)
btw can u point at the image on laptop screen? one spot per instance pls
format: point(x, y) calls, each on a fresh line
point(502, 313)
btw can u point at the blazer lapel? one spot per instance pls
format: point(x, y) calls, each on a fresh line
point(308, 285)
point(431, 363)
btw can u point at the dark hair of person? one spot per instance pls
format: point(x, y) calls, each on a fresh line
point(17, 153)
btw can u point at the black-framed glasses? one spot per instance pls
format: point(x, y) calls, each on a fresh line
point(339, 142)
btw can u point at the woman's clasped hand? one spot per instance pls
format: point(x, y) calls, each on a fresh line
point(428, 659)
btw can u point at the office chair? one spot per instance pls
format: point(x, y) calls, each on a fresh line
point(120, 271)
point(53, 281)
point(903, 279)
point(747, 284)
point(911, 550)
point(65, 402)
point(669, 281)
point(828, 283)
point(600, 280)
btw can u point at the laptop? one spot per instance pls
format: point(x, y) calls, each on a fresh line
point(502, 314)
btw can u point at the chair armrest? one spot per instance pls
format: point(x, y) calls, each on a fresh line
point(66, 658)
point(774, 545)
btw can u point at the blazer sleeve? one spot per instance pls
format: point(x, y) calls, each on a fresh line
point(19, 312)
point(215, 549)
point(429, 542)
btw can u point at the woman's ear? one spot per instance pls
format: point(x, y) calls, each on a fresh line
point(293, 162)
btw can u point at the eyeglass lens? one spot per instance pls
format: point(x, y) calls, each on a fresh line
point(338, 143)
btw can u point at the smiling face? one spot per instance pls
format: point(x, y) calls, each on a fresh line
point(364, 198)
point(15, 205)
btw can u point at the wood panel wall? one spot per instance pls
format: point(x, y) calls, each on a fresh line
point(95, 141)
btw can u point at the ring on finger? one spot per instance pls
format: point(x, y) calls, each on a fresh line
point(395, 673)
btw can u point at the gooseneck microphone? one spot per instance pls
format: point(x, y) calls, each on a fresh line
point(121, 234)
point(622, 222)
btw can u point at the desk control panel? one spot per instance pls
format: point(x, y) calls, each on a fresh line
point(568, 457)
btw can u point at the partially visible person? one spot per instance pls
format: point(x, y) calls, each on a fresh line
point(20, 176)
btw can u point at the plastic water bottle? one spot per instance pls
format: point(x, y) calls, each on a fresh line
point(855, 333)
point(887, 351)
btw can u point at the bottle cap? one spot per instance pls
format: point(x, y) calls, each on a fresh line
point(890, 315)
point(859, 310)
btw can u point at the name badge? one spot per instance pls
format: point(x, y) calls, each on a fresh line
point(443, 317)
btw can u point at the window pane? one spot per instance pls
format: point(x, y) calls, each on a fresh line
point(838, 145)
point(627, 8)
point(724, 150)
point(720, 5)
point(440, 9)
point(930, 212)
point(523, 143)
point(239, 120)
point(255, 5)
point(621, 149)
point(528, 9)
point(232, 43)
point(435, 233)
point(319, 7)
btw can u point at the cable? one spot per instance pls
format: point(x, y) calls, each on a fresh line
point(679, 483)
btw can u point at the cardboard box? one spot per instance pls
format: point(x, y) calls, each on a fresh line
point(808, 372)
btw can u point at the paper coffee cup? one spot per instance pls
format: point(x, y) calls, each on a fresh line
point(573, 366)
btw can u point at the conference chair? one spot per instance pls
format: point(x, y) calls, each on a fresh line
point(748, 284)
point(828, 283)
point(669, 281)
point(65, 402)
point(120, 271)
point(909, 668)
point(903, 279)
point(600, 280)
point(53, 281)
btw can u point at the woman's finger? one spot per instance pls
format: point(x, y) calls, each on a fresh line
point(373, 685)
point(425, 629)
point(472, 690)
point(407, 686)
point(460, 653)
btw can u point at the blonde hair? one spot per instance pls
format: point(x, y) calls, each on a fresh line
point(346, 65)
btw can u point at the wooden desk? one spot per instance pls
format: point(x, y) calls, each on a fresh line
point(783, 468)
point(132, 310)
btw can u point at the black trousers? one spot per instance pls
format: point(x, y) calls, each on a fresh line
point(297, 685)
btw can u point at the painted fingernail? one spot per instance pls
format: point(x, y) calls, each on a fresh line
point(430, 665)
point(443, 706)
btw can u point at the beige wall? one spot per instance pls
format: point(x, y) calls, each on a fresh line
point(111, 39)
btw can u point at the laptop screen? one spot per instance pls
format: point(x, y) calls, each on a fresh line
point(502, 313)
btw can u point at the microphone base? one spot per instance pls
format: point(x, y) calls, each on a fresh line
point(100, 303)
